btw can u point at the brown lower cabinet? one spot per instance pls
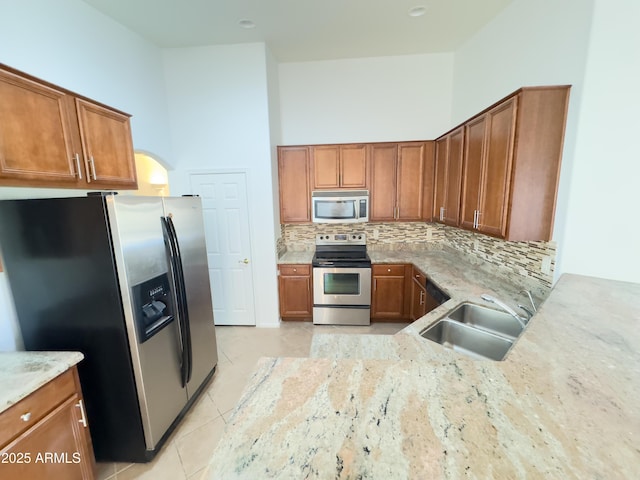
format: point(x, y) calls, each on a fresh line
point(388, 298)
point(296, 291)
point(45, 435)
point(418, 294)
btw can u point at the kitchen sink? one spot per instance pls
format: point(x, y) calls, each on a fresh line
point(471, 341)
point(486, 319)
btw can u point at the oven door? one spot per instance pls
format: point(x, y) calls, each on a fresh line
point(341, 286)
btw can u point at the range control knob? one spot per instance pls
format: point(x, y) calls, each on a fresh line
point(359, 237)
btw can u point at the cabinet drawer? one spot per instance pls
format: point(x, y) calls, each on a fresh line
point(418, 276)
point(28, 411)
point(295, 270)
point(388, 270)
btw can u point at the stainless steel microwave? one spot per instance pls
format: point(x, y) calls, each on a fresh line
point(343, 206)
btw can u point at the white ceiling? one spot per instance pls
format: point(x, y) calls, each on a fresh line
point(305, 30)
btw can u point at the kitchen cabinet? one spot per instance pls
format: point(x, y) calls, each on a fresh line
point(388, 292)
point(511, 165)
point(418, 294)
point(45, 435)
point(487, 165)
point(296, 293)
point(448, 177)
point(339, 166)
point(50, 137)
point(397, 181)
point(293, 179)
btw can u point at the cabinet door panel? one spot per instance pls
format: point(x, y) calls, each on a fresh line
point(106, 141)
point(497, 171)
point(418, 295)
point(454, 177)
point(35, 137)
point(295, 296)
point(59, 433)
point(353, 162)
point(440, 182)
point(326, 166)
point(383, 182)
point(388, 297)
point(293, 177)
point(409, 185)
point(473, 155)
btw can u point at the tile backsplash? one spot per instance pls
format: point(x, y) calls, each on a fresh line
point(529, 261)
point(408, 235)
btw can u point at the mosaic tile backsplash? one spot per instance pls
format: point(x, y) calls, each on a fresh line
point(531, 261)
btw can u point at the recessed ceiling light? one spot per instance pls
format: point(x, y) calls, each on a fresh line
point(417, 11)
point(246, 23)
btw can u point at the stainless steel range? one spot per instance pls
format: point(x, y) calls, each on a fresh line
point(341, 280)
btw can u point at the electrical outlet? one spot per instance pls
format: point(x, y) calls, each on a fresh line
point(376, 233)
point(476, 245)
point(546, 265)
point(429, 233)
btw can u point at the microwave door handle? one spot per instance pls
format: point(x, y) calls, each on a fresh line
point(356, 207)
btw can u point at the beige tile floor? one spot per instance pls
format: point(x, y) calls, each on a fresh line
point(187, 451)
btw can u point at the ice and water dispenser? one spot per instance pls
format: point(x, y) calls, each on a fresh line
point(153, 306)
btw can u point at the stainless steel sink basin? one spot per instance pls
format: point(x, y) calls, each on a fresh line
point(471, 341)
point(487, 319)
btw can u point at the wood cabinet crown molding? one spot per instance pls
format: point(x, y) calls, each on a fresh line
point(52, 137)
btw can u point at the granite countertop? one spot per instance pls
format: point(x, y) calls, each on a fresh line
point(22, 373)
point(563, 404)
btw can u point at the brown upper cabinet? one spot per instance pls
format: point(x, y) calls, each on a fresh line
point(50, 137)
point(448, 177)
point(512, 163)
point(293, 178)
point(339, 166)
point(397, 181)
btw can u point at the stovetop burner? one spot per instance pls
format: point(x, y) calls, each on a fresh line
point(341, 250)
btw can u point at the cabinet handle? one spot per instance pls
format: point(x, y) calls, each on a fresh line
point(93, 168)
point(421, 297)
point(476, 219)
point(375, 284)
point(83, 420)
point(25, 417)
point(76, 157)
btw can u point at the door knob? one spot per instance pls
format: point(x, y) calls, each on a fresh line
point(245, 261)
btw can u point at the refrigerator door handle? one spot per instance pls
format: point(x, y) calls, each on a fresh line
point(177, 286)
point(183, 294)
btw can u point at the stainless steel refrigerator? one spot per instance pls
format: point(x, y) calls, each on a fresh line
point(124, 280)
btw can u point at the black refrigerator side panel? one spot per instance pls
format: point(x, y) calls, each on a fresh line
point(59, 260)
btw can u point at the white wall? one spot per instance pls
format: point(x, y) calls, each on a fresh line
point(70, 44)
point(602, 232)
point(366, 99)
point(219, 111)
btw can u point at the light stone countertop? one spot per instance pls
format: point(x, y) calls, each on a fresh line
point(22, 373)
point(564, 404)
point(296, 257)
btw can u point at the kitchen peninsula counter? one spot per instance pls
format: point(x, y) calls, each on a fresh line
point(22, 373)
point(563, 404)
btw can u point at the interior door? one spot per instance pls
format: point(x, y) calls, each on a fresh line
point(226, 220)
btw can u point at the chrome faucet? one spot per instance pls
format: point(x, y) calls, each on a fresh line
point(505, 307)
point(533, 305)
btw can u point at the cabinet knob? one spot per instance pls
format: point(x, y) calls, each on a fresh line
point(388, 269)
point(25, 417)
point(295, 269)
